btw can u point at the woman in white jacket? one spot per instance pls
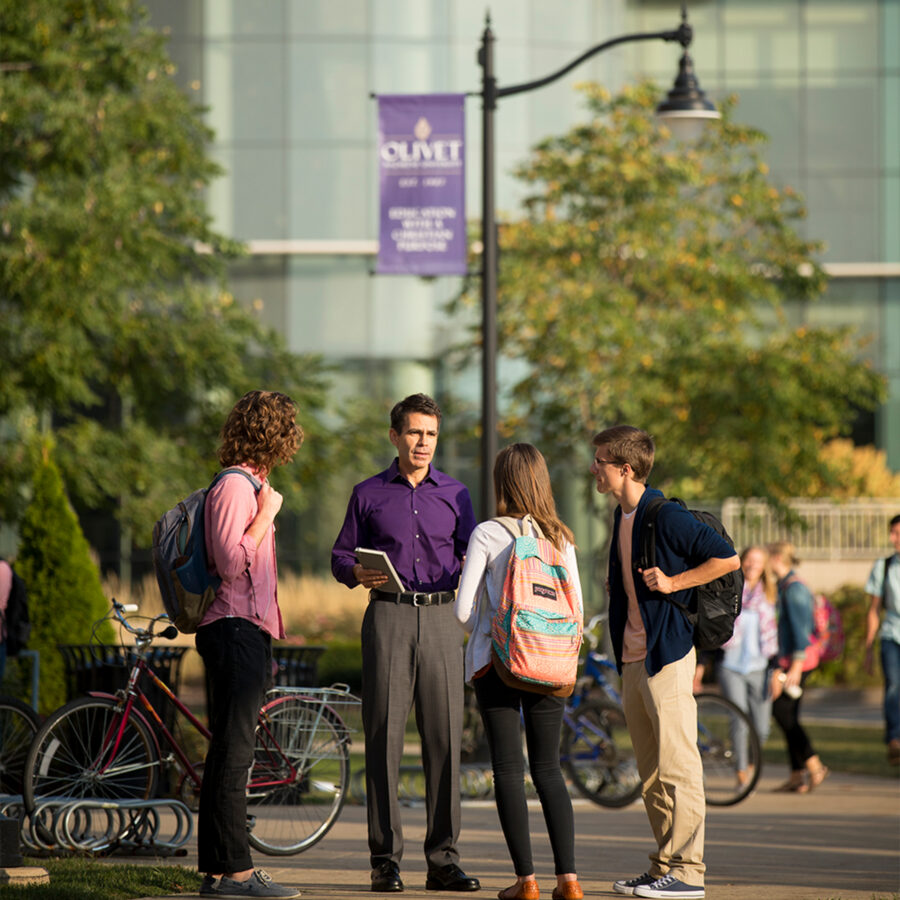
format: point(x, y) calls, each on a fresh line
point(521, 489)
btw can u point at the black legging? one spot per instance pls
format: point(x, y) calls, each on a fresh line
point(499, 706)
point(786, 711)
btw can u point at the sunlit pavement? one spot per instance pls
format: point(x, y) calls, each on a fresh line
point(843, 840)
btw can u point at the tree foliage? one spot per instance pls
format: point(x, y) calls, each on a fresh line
point(116, 331)
point(65, 596)
point(861, 472)
point(647, 282)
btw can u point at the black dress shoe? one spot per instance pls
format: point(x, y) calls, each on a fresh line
point(386, 878)
point(450, 878)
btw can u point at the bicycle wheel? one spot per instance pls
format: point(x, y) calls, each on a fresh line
point(722, 728)
point(76, 754)
point(18, 725)
point(300, 773)
point(596, 754)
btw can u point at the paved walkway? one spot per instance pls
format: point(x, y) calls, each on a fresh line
point(842, 841)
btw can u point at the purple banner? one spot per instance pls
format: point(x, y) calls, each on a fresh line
point(421, 153)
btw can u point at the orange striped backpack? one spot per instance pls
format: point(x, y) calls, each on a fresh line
point(537, 628)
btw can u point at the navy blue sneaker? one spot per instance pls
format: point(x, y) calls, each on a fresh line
point(670, 887)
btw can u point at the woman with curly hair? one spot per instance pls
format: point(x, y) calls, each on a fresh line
point(235, 635)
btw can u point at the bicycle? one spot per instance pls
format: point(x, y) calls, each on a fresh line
point(18, 725)
point(596, 748)
point(106, 747)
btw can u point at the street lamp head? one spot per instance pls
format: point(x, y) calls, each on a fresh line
point(686, 108)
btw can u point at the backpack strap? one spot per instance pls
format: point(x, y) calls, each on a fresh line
point(517, 527)
point(257, 484)
point(884, 580)
point(647, 557)
point(257, 487)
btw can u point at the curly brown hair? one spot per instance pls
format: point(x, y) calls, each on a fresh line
point(261, 431)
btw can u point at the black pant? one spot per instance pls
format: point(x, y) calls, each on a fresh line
point(238, 660)
point(786, 711)
point(500, 710)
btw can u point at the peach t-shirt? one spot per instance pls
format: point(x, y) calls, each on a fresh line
point(634, 647)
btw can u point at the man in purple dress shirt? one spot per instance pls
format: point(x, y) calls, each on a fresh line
point(411, 645)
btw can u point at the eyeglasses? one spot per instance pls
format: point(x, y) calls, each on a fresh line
point(607, 462)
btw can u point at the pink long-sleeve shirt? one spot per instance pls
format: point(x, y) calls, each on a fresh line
point(249, 574)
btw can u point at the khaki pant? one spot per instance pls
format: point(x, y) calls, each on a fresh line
point(662, 720)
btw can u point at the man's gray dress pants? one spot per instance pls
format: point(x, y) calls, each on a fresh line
point(412, 655)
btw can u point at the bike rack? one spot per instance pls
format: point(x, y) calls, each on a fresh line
point(86, 825)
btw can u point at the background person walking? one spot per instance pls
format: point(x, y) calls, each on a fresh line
point(797, 657)
point(883, 588)
point(743, 664)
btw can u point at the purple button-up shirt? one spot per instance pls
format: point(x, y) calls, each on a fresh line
point(424, 530)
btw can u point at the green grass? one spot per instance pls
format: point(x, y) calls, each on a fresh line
point(856, 750)
point(86, 879)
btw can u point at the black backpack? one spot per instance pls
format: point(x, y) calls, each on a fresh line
point(16, 618)
point(714, 606)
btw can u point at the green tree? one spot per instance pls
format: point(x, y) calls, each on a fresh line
point(65, 596)
point(648, 282)
point(117, 333)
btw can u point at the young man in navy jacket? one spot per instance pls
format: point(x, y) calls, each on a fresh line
point(653, 644)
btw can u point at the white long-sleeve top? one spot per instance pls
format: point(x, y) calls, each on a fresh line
point(481, 588)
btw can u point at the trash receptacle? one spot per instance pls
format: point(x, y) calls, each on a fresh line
point(296, 666)
point(105, 668)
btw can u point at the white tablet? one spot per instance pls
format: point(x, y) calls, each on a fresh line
point(378, 559)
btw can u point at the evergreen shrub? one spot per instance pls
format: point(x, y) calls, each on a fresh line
point(342, 663)
point(65, 595)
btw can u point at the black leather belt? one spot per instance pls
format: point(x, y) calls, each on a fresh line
point(438, 598)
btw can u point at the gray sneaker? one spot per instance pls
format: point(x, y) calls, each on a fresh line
point(209, 885)
point(259, 884)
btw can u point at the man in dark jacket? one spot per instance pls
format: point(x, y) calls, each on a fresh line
point(653, 645)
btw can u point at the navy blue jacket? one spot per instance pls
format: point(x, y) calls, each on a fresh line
point(682, 543)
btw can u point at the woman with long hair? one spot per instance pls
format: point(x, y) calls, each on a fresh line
point(522, 491)
point(743, 671)
point(795, 662)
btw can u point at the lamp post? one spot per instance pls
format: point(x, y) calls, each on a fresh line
point(685, 103)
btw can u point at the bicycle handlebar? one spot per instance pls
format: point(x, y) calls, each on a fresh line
point(169, 632)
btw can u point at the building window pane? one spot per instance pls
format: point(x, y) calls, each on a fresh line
point(329, 194)
point(842, 125)
point(843, 213)
point(244, 88)
point(841, 36)
point(329, 92)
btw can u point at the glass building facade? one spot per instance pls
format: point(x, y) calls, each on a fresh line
point(288, 85)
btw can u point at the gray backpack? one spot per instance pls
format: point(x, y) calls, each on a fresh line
point(179, 558)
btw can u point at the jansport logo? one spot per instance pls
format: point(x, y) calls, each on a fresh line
point(542, 590)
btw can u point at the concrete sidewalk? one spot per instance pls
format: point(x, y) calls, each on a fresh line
point(842, 841)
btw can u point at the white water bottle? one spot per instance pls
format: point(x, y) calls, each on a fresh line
point(792, 690)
